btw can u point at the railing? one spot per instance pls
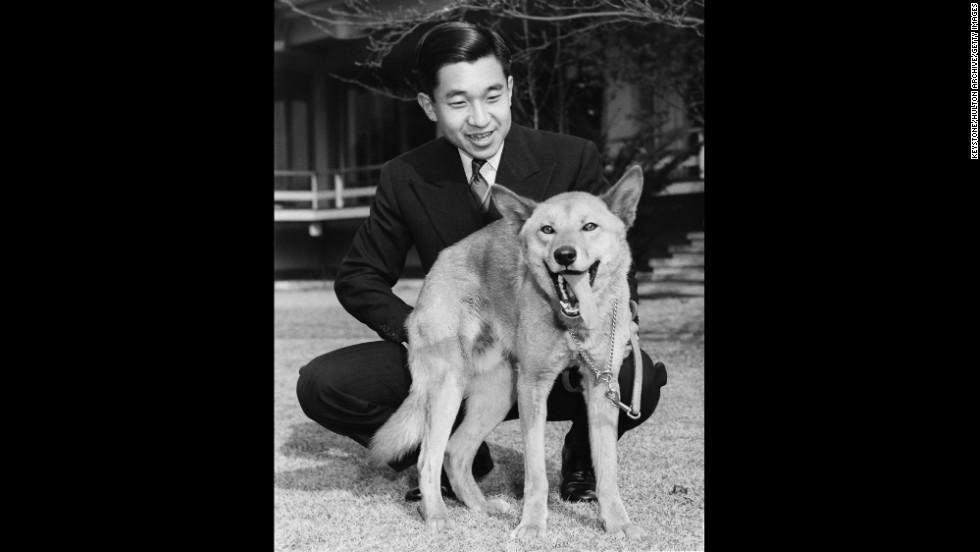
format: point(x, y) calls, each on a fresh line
point(325, 196)
point(684, 159)
point(686, 169)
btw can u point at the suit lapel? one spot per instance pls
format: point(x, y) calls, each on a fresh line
point(446, 197)
point(519, 170)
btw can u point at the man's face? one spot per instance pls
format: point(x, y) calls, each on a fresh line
point(471, 105)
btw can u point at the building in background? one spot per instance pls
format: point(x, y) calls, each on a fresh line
point(331, 138)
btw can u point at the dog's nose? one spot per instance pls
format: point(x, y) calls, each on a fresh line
point(565, 255)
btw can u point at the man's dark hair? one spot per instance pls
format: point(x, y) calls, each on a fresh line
point(455, 42)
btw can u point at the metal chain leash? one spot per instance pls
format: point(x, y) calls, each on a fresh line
point(606, 376)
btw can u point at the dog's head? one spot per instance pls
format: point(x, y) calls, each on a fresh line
point(575, 242)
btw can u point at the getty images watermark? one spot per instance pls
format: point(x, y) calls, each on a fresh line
point(974, 85)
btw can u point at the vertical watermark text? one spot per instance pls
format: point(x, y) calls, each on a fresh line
point(974, 84)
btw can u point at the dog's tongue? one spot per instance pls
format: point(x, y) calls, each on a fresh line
point(579, 284)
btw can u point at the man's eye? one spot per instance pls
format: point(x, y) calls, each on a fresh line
point(493, 98)
point(589, 227)
point(547, 229)
point(457, 104)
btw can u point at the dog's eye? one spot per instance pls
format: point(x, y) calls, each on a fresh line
point(589, 227)
point(547, 229)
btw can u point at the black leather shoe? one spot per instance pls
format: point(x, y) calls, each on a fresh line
point(482, 464)
point(577, 476)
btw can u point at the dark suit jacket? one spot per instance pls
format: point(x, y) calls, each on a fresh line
point(423, 199)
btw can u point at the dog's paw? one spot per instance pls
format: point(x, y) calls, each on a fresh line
point(631, 531)
point(439, 523)
point(529, 531)
point(497, 506)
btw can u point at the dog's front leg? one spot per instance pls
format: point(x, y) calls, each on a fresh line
point(603, 423)
point(532, 403)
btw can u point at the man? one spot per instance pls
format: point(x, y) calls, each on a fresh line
point(432, 197)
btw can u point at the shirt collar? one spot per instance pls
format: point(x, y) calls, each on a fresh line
point(467, 160)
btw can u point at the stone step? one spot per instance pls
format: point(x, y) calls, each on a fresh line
point(694, 247)
point(695, 236)
point(683, 288)
point(678, 273)
point(691, 187)
point(680, 259)
point(677, 278)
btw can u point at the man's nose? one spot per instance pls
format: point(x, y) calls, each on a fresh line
point(565, 255)
point(479, 116)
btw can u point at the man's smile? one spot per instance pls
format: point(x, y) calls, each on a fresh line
point(480, 137)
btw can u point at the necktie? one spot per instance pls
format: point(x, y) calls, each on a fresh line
point(479, 186)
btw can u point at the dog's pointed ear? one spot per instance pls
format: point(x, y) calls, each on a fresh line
point(514, 208)
point(624, 197)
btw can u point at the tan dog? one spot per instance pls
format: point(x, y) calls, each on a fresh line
point(505, 306)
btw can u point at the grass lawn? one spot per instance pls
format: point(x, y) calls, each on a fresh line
point(330, 496)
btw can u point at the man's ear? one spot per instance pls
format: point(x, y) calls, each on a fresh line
point(430, 110)
point(510, 88)
point(623, 198)
point(514, 208)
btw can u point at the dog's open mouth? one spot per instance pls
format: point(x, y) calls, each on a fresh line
point(566, 282)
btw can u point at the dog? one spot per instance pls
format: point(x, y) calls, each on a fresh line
point(500, 315)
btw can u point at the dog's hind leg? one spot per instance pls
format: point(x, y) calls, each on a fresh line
point(490, 396)
point(532, 399)
point(603, 419)
point(445, 396)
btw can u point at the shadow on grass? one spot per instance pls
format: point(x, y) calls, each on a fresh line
point(311, 441)
point(342, 463)
point(345, 465)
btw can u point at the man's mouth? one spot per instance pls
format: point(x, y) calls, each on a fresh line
point(567, 300)
point(481, 137)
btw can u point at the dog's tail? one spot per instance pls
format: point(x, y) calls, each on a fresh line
point(403, 431)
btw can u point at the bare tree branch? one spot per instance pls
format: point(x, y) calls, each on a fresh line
point(530, 76)
point(529, 51)
point(382, 90)
point(640, 16)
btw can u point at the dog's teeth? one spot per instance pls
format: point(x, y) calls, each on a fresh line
point(561, 287)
